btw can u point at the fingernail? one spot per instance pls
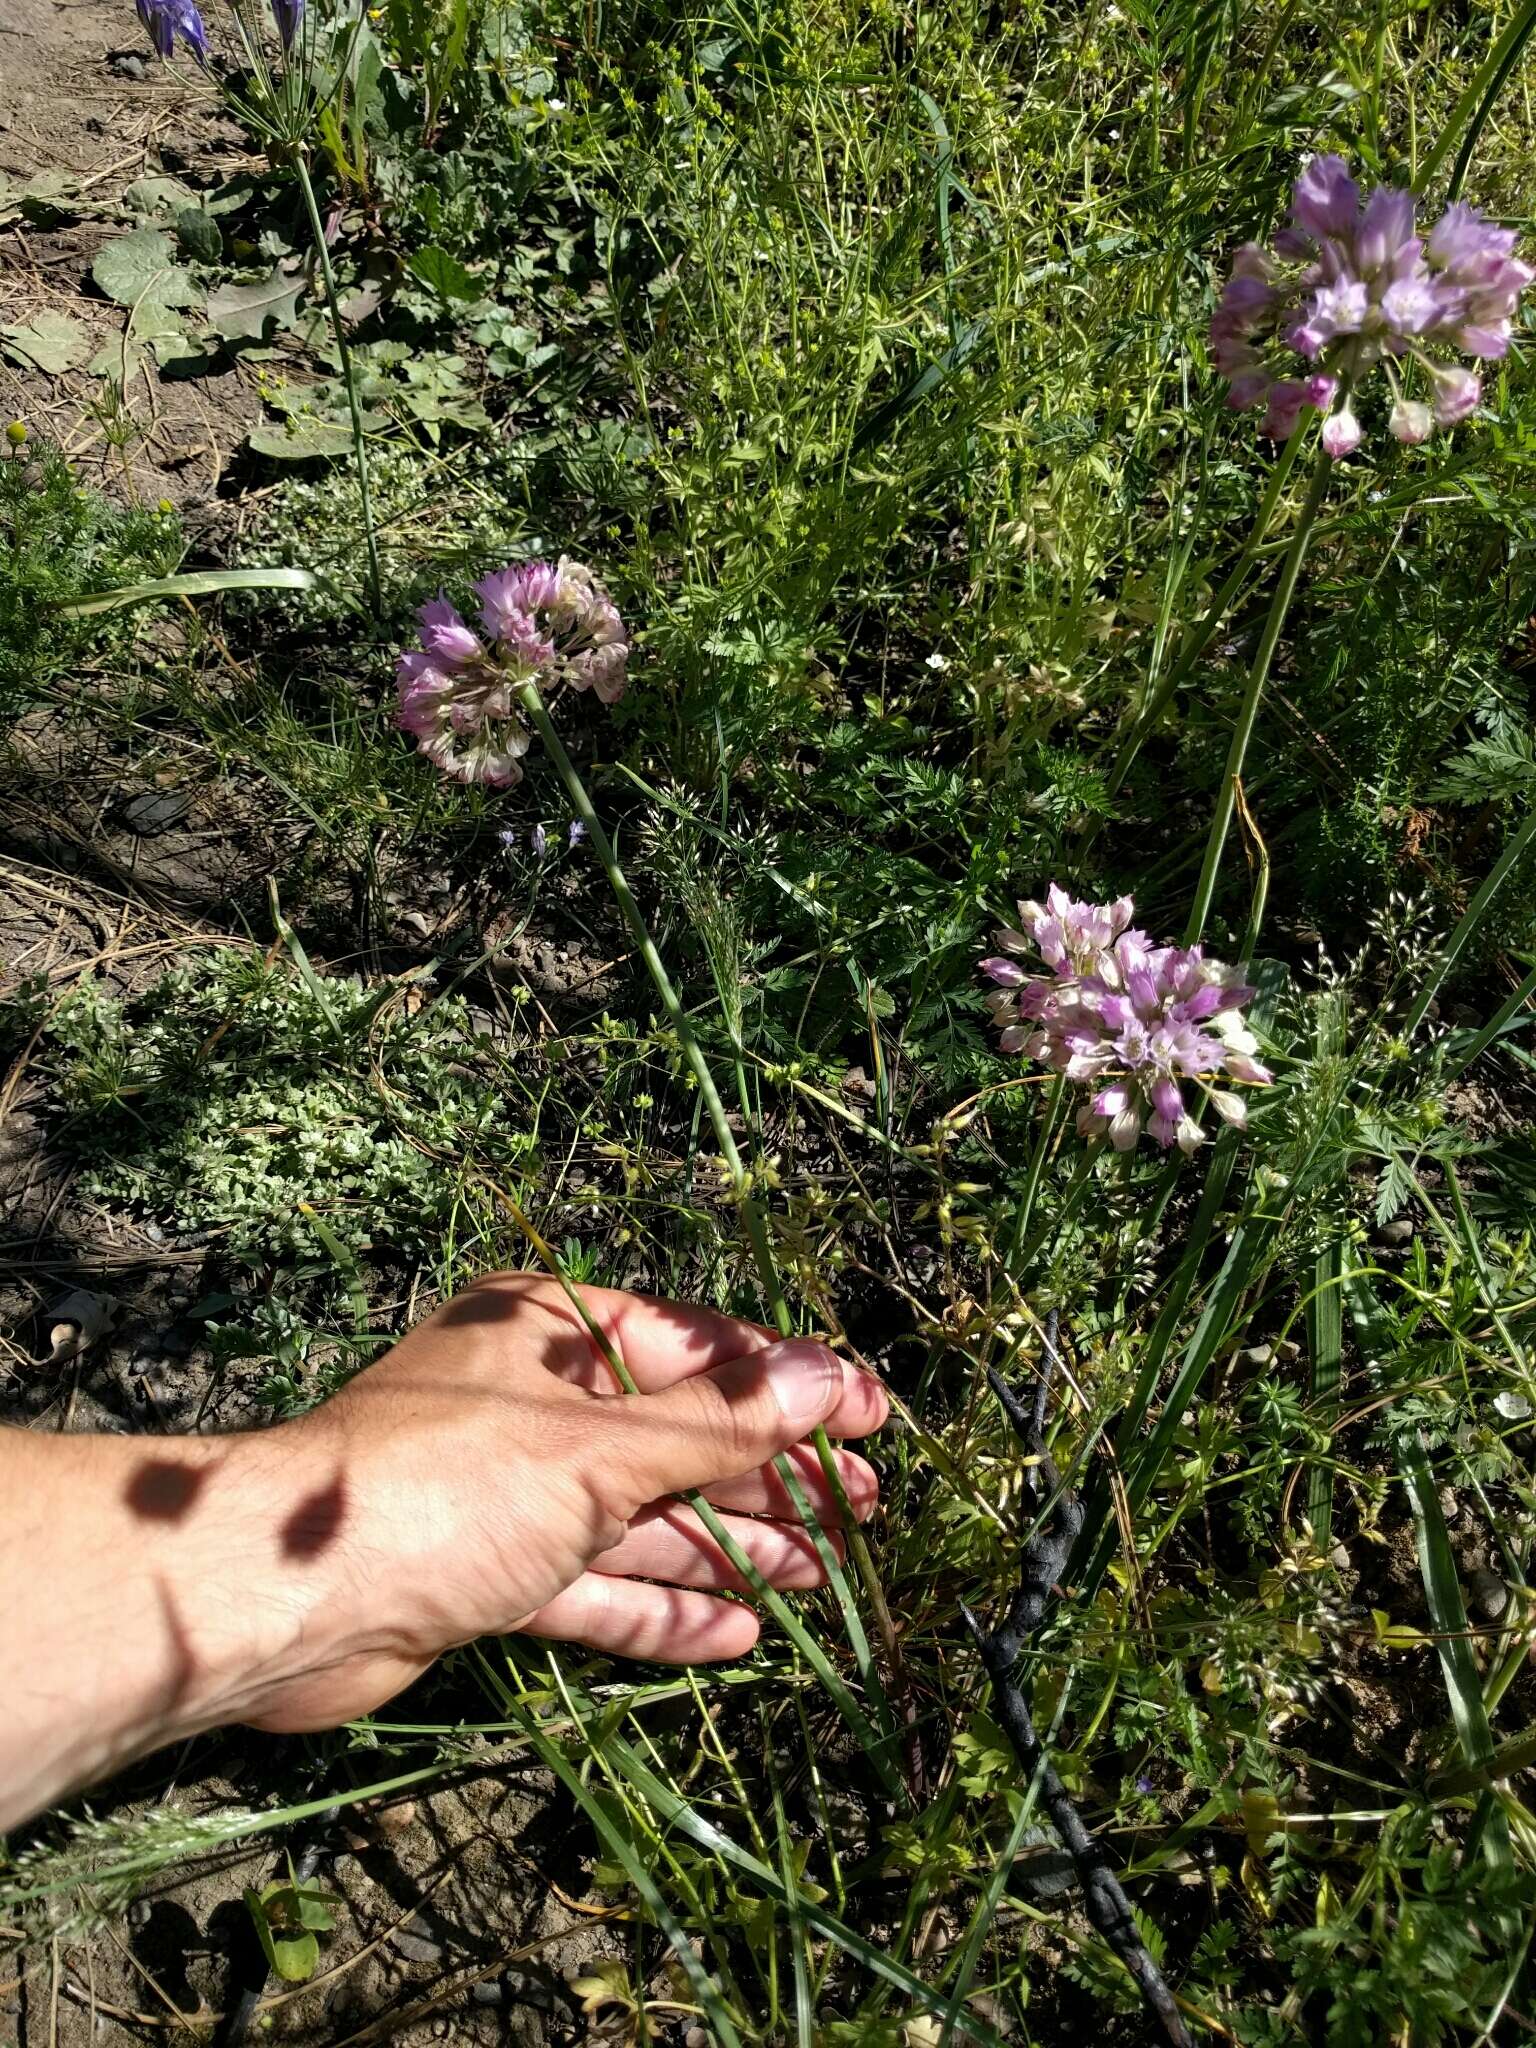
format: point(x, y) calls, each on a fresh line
point(804, 1378)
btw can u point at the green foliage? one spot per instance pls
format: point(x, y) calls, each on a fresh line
point(230, 1099)
point(289, 1917)
point(57, 543)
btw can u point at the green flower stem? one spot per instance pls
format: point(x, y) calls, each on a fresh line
point(344, 354)
point(1248, 711)
point(1221, 604)
point(751, 1212)
point(1026, 1208)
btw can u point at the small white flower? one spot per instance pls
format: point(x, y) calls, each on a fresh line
point(555, 106)
point(937, 662)
point(1512, 1406)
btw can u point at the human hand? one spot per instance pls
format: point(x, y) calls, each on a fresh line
point(485, 1475)
point(488, 1475)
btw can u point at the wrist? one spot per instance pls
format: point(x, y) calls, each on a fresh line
point(154, 1589)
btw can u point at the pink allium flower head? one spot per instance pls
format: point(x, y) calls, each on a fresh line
point(544, 620)
point(455, 700)
point(558, 618)
point(1136, 1023)
point(1350, 284)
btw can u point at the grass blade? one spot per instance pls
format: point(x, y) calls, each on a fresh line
point(1447, 1611)
point(1476, 910)
point(1325, 1308)
point(194, 583)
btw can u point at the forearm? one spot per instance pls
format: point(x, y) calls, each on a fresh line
point(151, 1589)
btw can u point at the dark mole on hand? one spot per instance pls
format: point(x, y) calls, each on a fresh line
point(162, 1489)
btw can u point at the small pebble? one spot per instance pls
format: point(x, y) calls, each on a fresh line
point(416, 1948)
point(139, 1912)
point(1450, 1506)
point(1338, 1557)
point(127, 65)
point(155, 811)
point(439, 2030)
point(488, 1992)
point(1289, 1350)
point(1398, 1231)
point(1490, 1595)
point(1257, 1355)
point(696, 2037)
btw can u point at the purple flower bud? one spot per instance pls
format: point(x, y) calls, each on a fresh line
point(1249, 388)
point(1326, 200)
point(1386, 229)
point(538, 839)
point(288, 14)
point(1458, 393)
point(1286, 402)
point(577, 833)
point(167, 19)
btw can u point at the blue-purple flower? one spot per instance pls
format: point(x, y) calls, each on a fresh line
point(1350, 284)
point(288, 14)
point(1136, 1022)
point(165, 20)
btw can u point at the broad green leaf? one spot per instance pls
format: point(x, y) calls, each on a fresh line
point(142, 265)
point(49, 341)
point(200, 235)
point(241, 312)
point(444, 274)
point(158, 328)
point(34, 198)
point(158, 198)
point(301, 438)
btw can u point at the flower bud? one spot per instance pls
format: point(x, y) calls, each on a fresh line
point(1342, 433)
point(1411, 422)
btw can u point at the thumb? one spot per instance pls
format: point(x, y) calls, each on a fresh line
point(723, 1422)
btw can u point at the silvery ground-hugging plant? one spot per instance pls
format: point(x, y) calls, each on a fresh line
point(881, 673)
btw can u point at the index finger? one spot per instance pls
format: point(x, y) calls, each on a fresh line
point(661, 1342)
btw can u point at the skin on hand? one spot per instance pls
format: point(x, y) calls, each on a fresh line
point(485, 1475)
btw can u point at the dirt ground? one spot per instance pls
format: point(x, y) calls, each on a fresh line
point(82, 93)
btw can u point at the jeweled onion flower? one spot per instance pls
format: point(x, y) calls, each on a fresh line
point(545, 623)
point(1135, 1023)
point(562, 619)
point(1350, 284)
point(456, 697)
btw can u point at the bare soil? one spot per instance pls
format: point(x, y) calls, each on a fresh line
point(81, 92)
